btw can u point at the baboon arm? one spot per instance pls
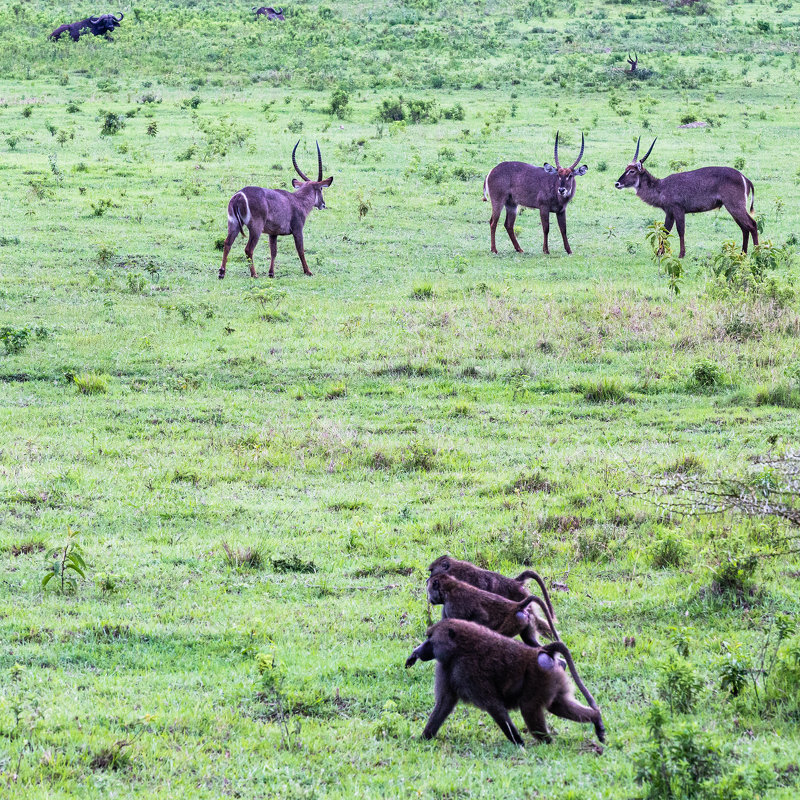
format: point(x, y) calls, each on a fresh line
point(566, 707)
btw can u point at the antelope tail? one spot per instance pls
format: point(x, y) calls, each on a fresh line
point(751, 190)
point(238, 216)
point(486, 188)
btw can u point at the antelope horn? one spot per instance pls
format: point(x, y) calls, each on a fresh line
point(555, 154)
point(636, 154)
point(120, 17)
point(319, 162)
point(280, 11)
point(294, 161)
point(649, 151)
point(580, 155)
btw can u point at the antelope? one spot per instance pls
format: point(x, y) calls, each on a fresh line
point(634, 62)
point(269, 12)
point(704, 189)
point(550, 188)
point(276, 212)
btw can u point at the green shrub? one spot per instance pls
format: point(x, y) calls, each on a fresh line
point(112, 124)
point(678, 684)
point(422, 291)
point(339, 103)
point(606, 390)
point(668, 552)
point(14, 339)
point(707, 374)
point(92, 383)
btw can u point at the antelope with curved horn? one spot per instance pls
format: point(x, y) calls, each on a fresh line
point(269, 12)
point(276, 212)
point(634, 62)
point(512, 184)
point(682, 193)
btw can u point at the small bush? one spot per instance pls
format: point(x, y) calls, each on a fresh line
point(242, 557)
point(707, 374)
point(779, 395)
point(668, 552)
point(336, 390)
point(735, 575)
point(418, 456)
point(678, 685)
point(112, 124)
point(339, 103)
point(606, 390)
point(422, 291)
point(92, 383)
point(14, 339)
point(293, 563)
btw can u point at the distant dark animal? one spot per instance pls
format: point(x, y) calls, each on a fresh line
point(496, 674)
point(276, 212)
point(634, 62)
point(99, 26)
point(512, 184)
point(510, 588)
point(682, 193)
point(269, 12)
point(460, 600)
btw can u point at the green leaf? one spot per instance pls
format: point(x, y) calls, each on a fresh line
point(46, 578)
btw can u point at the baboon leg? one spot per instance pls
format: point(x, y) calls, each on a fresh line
point(511, 218)
point(561, 218)
point(500, 715)
point(681, 227)
point(535, 720)
point(298, 243)
point(233, 232)
point(249, 249)
point(446, 700)
point(568, 708)
point(273, 251)
point(669, 221)
point(545, 217)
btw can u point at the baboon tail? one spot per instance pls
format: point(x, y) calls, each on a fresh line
point(560, 647)
point(541, 603)
point(532, 574)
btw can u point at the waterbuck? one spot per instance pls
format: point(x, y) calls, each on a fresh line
point(690, 192)
point(276, 212)
point(549, 188)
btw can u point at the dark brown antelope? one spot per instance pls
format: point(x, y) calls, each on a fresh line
point(512, 184)
point(683, 193)
point(634, 62)
point(276, 212)
point(269, 12)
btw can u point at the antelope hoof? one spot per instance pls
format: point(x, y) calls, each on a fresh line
point(221, 275)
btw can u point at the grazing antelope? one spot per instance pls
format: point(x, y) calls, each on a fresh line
point(276, 212)
point(549, 188)
point(269, 12)
point(683, 193)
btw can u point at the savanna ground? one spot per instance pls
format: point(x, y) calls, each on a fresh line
point(416, 396)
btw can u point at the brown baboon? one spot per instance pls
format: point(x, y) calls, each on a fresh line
point(494, 582)
point(461, 600)
point(496, 674)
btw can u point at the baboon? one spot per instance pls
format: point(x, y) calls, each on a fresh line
point(496, 674)
point(460, 600)
point(494, 582)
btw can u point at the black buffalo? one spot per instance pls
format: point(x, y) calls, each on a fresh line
point(99, 26)
point(269, 12)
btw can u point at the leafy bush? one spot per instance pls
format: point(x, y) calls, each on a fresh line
point(92, 383)
point(112, 124)
point(734, 575)
point(66, 564)
point(339, 102)
point(707, 374)
point(14, 339)
point(678, 685)
point(668, 551)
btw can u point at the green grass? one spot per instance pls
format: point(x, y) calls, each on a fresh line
point(269, 467)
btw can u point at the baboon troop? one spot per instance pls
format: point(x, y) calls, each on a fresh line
point(497, 674)
point(460, 600)
point(479, 662)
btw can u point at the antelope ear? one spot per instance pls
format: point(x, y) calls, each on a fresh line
point(550, 169)
point(296, 183)
point(327, 181)
point(639, 166)
point(582, 170)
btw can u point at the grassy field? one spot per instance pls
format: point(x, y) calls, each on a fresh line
point(416, 396)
